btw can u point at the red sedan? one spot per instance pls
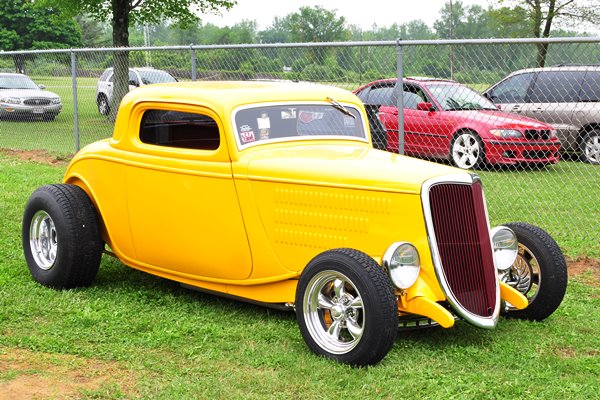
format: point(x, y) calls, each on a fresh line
point(445, 119)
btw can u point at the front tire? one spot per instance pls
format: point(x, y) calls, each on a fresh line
point(590, 147)
point(62, 241)
point(539, 272)
point(346, 307)
point(466, 150)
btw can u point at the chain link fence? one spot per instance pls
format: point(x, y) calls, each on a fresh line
point(533, 134)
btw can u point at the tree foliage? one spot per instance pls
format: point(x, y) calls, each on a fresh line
point(544, 14)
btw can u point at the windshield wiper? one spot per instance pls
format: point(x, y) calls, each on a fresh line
point(340, 107)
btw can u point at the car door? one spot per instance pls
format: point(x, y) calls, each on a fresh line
point(587, 112)
point(553, 99)
point(182, 202)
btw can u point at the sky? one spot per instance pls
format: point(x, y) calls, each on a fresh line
point(362, 13)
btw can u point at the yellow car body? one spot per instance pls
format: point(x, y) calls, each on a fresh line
point(246, 222)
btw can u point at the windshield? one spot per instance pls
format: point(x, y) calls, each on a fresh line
point(297, 121)
point(457, 97)
point(17, 82)
point(155, 76)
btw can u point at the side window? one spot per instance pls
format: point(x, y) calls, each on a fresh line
point(133, 78)
point(383, 95)
point(590, 89)
point(179, 129)
point(512, 90)
point(557, 87)
point(413, 96)
point(111, 78)
point(105, 74)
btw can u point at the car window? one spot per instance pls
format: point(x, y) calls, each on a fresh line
point(512, 90)
point(412, 96)
point(296, 121)
point(105, 74)
point(133, 78)
point(179, 129)
point(590, 88)
point(383, 95)
point(557, 87)
point(155, 76)
point(17, 82)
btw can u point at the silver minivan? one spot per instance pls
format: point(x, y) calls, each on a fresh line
point(567, 97)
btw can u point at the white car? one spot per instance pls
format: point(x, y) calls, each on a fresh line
point(20, 97)
point(137, 77)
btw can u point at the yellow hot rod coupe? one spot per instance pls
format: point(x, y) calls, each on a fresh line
point(272, 193)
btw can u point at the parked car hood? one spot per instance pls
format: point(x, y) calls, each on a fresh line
point(340, 165)
point(500, 119)
point(26, 93)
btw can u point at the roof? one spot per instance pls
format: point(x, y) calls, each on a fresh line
point(230, 94)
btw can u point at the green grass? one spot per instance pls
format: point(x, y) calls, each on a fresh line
point(156, 340)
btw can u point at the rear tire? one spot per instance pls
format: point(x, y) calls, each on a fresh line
point(62, 240)
point(346, 307)
point(539, 272)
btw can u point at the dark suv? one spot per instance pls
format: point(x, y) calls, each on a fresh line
point(567, 97)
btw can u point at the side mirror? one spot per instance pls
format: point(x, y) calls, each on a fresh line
point(425, 107)
point(43, 87)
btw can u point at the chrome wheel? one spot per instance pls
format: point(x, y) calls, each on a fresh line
point(466, 151)
point(591, 148)
point(524, 275)
point(43, 240)
point(333, 311)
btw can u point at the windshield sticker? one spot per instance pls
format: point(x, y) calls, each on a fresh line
point(307, 117)
point(247, 134)
point(289, 113)
point(264, 125)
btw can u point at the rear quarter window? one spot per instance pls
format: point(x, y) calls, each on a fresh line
point(590, 88)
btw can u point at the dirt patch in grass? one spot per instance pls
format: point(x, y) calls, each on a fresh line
point(39, 156)
point(586, 268)
point(31, 375)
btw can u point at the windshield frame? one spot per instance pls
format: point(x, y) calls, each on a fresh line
point(435, 93)
point(242, 146)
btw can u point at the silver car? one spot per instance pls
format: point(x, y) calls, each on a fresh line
point(566, 97)
point(137, 77)
point(20, 97)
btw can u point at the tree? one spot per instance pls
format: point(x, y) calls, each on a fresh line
point(316, 24)
point(544, 13)
point(124, 13)
point(27, 25)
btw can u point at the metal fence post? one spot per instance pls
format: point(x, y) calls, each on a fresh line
point(400, 97)
point(75, 108)
point(194, 62)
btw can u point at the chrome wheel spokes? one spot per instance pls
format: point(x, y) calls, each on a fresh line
point(334, 312)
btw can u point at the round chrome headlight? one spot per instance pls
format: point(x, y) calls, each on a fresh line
point(402, 262)
point(506, 247)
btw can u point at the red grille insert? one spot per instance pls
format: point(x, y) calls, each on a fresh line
point(463, 240)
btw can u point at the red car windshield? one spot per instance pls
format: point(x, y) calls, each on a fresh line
point(458, 98)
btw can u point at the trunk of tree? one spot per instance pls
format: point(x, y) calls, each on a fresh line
point(542, 48)
point(120, 25)
point(19, 60)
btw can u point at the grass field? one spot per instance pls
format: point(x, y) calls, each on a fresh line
point(132, 335)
